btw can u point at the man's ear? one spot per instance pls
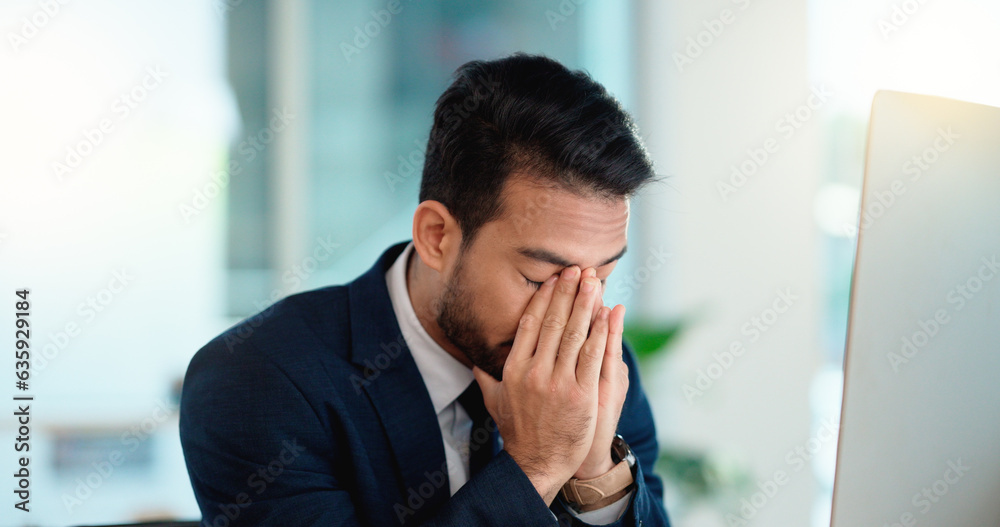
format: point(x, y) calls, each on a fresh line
point(437, 236)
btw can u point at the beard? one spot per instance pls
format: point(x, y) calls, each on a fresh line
point(459, 324)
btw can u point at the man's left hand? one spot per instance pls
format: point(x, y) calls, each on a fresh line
point(612, 388)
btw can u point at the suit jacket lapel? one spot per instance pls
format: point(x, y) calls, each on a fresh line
point(396, 389)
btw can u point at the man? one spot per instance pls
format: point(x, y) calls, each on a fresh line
point(366, 404)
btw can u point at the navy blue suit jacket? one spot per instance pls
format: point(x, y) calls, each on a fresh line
point(313, 412)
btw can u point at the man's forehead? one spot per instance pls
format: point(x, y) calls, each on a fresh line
point(526, 198)
point(550, 224)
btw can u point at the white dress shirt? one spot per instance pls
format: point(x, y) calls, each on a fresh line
point(446, 378)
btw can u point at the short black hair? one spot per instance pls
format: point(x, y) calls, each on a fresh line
point(527, 113)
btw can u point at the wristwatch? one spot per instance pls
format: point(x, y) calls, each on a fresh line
point(592, 494)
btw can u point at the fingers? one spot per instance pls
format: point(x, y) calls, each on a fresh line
point(578, 325)
point(599, 299)
point(526, 338)
point(556, 317)
point(613, 350)
point(588, 367)
point(553, 331)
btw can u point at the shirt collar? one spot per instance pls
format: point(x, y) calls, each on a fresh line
point(445, 377)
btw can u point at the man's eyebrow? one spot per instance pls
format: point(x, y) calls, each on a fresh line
point(552, 258)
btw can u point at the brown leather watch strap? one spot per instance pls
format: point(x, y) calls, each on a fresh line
point(606, 501)
point(592, 494)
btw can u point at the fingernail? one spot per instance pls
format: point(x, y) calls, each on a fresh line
point(603, 313)
point(552, 279)
point(569, 273)
point(588, 285)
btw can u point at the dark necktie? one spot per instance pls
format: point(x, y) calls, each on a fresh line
point(483, 438)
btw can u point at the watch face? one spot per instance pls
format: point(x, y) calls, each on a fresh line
point(620, 450)
point(630, 458)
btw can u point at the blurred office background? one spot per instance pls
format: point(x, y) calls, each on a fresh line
point(168, 168)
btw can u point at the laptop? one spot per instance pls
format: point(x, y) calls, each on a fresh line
point(920, 426)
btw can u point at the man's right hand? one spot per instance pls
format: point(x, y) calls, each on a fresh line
point(546, 405)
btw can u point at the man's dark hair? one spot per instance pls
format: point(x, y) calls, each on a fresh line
point(527, 113)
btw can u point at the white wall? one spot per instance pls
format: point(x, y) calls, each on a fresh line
point(123, 288)
point(732, 253)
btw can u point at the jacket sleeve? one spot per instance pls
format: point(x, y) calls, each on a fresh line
point(645, 508)
point(254, 449)
point(258, 454)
